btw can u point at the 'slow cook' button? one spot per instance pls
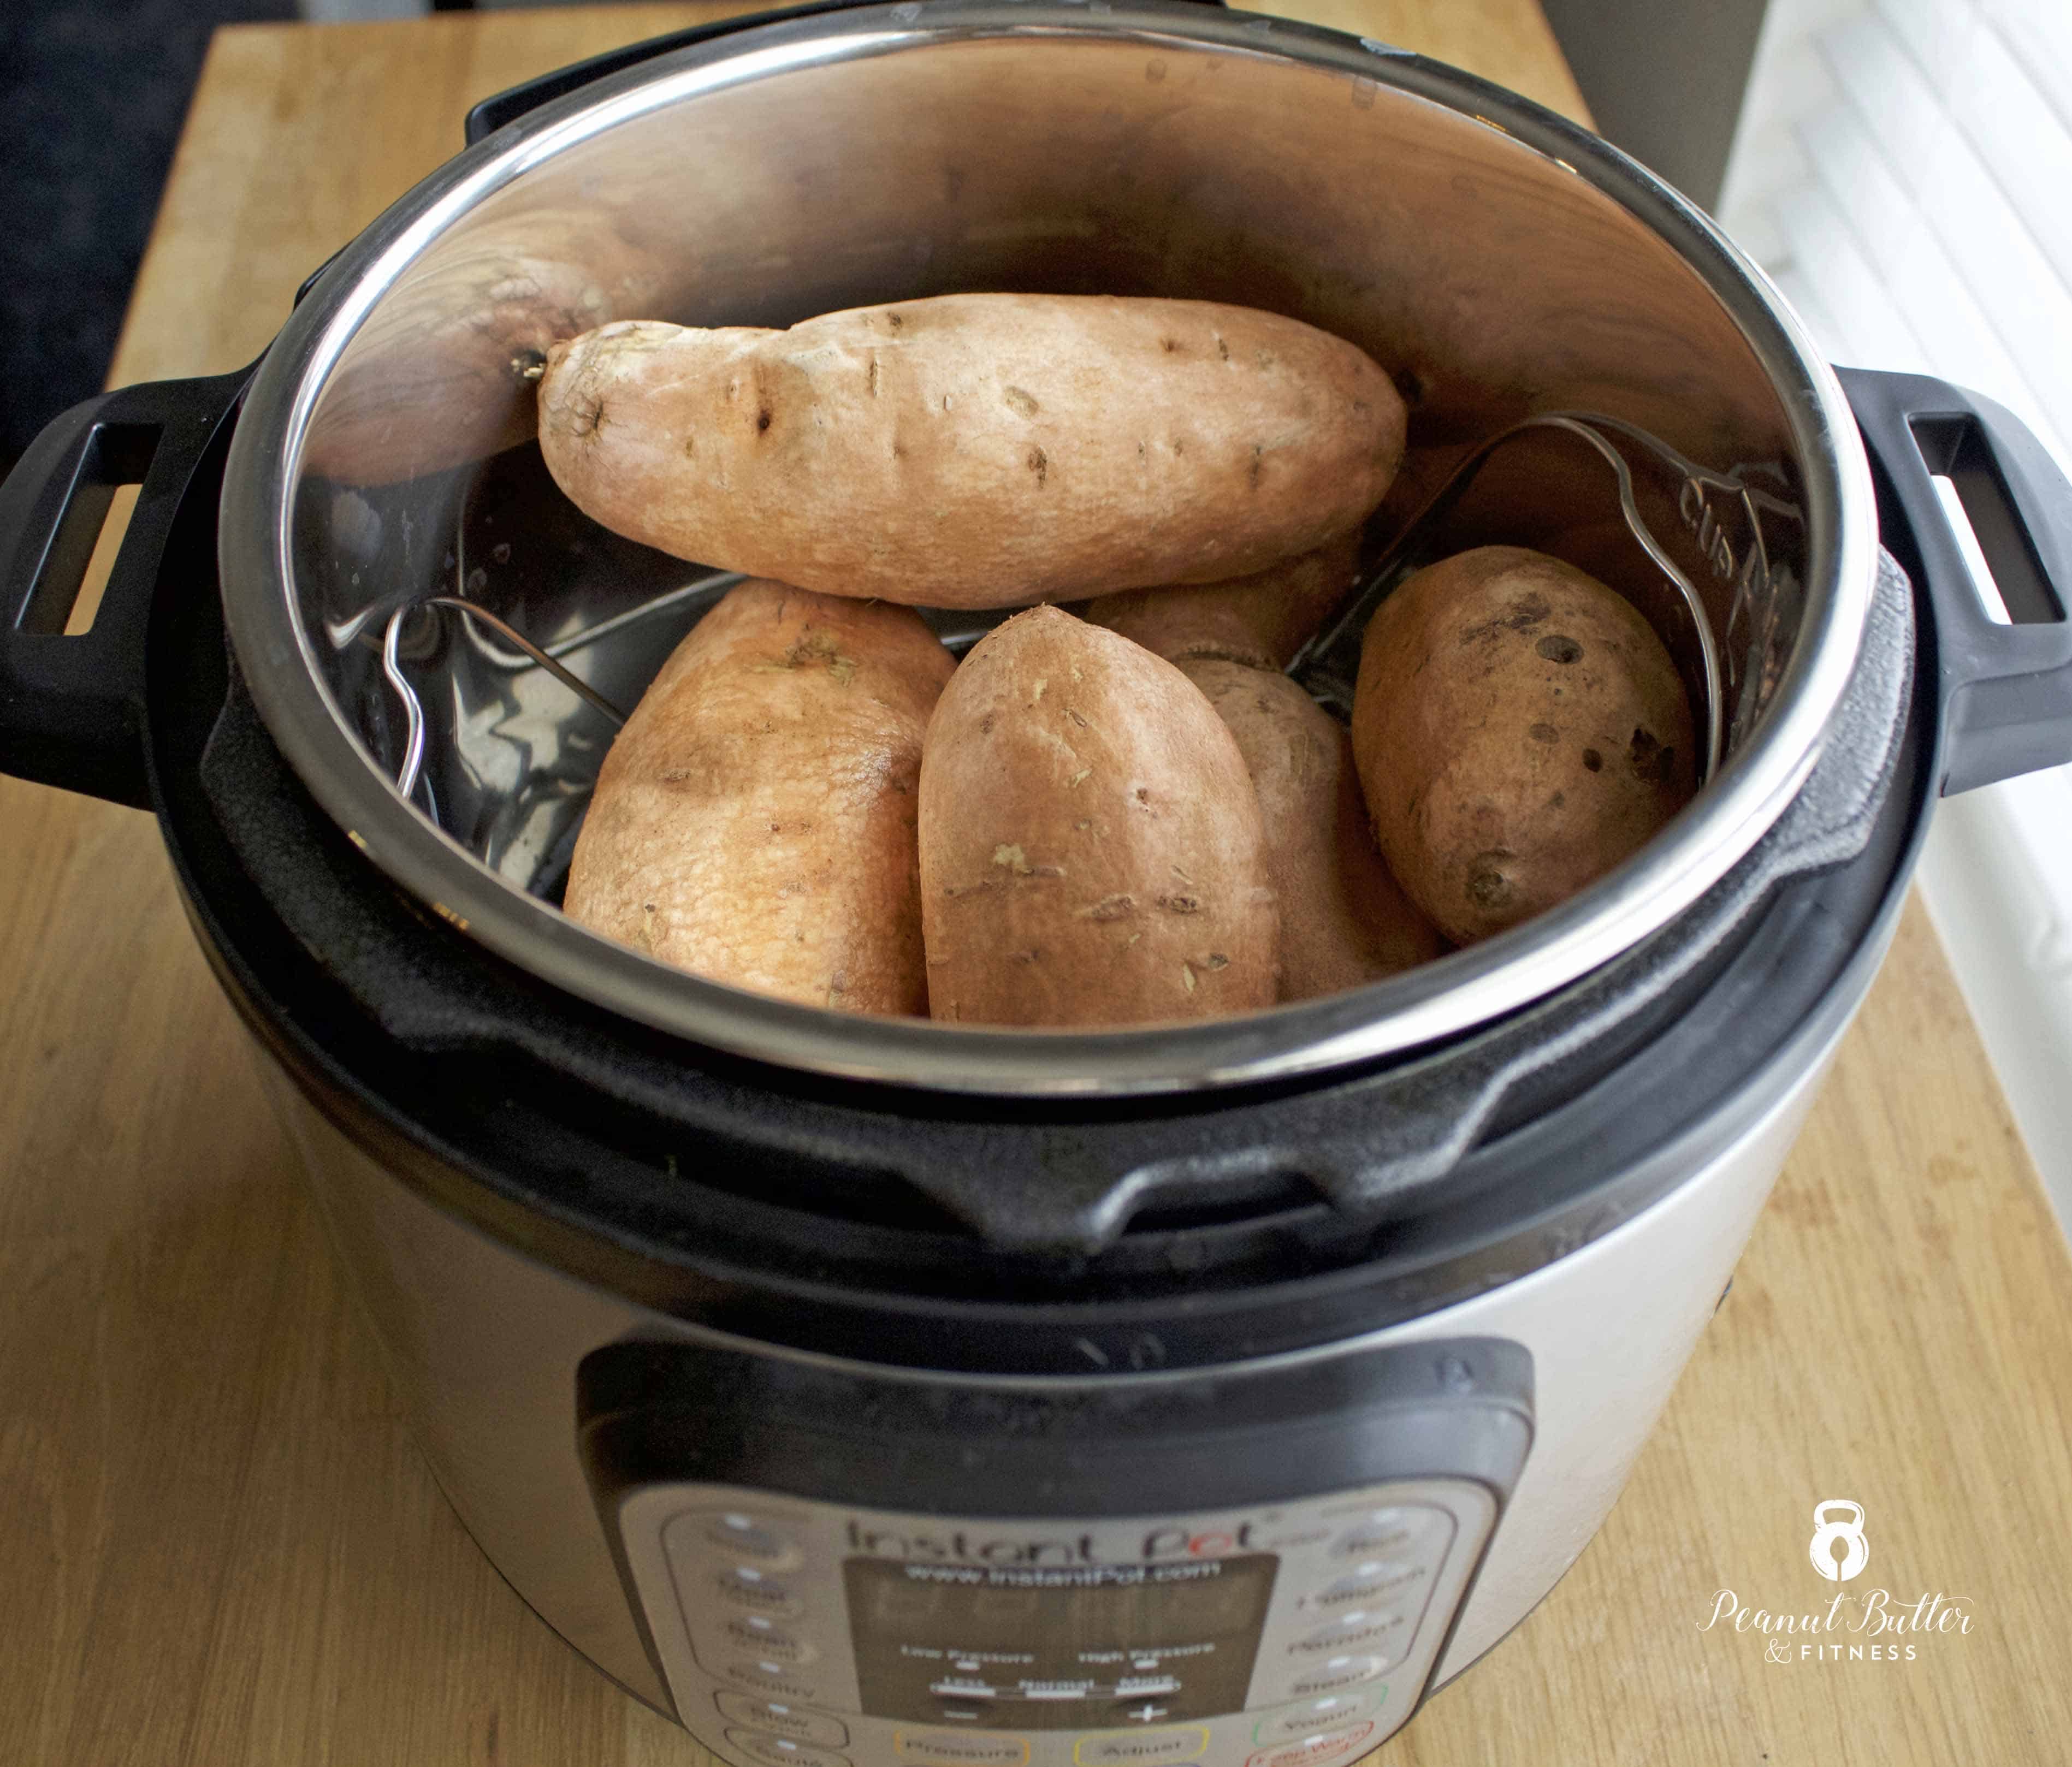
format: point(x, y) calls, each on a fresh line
point(1333, 1675)
point(782, 1751)
point(1158, 1747)
point(1315, 1750)
point(785, 1720)
point(961, 1748)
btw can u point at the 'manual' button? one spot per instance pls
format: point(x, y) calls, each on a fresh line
point(1334, 1674)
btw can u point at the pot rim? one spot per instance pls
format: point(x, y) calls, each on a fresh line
point(1416, 1008)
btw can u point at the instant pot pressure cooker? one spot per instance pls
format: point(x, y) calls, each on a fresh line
point(865, 1391)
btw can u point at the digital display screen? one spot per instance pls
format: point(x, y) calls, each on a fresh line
point(1053, 1647)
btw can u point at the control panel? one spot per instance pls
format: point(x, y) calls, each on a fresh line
point(796, 1633)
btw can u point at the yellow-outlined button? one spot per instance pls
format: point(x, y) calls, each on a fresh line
point(1174, 1734)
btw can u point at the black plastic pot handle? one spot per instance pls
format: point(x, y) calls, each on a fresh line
point(2007, 689)
point(71, 708)
point(500, 108)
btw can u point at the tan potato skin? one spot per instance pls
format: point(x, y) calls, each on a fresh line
point(1519, 729)
point(1262, 619)
point(977, 451)
point(755, 821)
point(1343, 920)
point(1091, 850)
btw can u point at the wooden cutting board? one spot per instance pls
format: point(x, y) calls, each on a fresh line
point(218, 1545)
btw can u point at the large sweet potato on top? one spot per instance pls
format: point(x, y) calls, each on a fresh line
point(977, 451)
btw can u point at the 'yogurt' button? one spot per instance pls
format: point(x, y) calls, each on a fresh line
point(1295, 1722)
point(774, 1714)
point(782, 1751)
point(1313, 1751)
point(1334, 1675)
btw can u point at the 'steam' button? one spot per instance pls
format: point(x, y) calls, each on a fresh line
point(1334, 1675)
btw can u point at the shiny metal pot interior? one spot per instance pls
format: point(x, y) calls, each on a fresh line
point(1497, 260)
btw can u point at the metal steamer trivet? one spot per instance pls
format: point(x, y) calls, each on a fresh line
point(1328, 665)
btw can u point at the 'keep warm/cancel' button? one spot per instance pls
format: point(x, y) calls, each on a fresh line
point(1160, 1747)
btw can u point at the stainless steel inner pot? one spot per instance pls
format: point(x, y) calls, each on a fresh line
point(1497, 260)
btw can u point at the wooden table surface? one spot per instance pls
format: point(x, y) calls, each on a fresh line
point(218, 1545)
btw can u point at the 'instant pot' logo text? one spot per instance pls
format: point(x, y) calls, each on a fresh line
point(958, 1547)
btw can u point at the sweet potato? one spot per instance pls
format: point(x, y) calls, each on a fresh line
point(441, 372)
point(1091, 850)
point(1262, 619)
point(1519, 729)
point(977, 451)
point(755, 821)
point(1343, 920)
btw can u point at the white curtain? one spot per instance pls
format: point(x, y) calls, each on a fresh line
point(1903, 170)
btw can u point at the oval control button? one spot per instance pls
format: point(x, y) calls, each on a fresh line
point(1373, 1628)
point(1295, 1722)
point(1159, 1748)
point(1370, 1582)
point(746, 1539)
point(759, 1633)
point(1391, 1533)
point(962, 1747)
point(1313, 1751)
point(782, 1751)
point(773, 1680)
point(745, 1587)
point(774, 1714)
point(1334, 1674)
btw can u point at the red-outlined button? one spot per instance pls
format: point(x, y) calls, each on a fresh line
point(1313, 1751)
